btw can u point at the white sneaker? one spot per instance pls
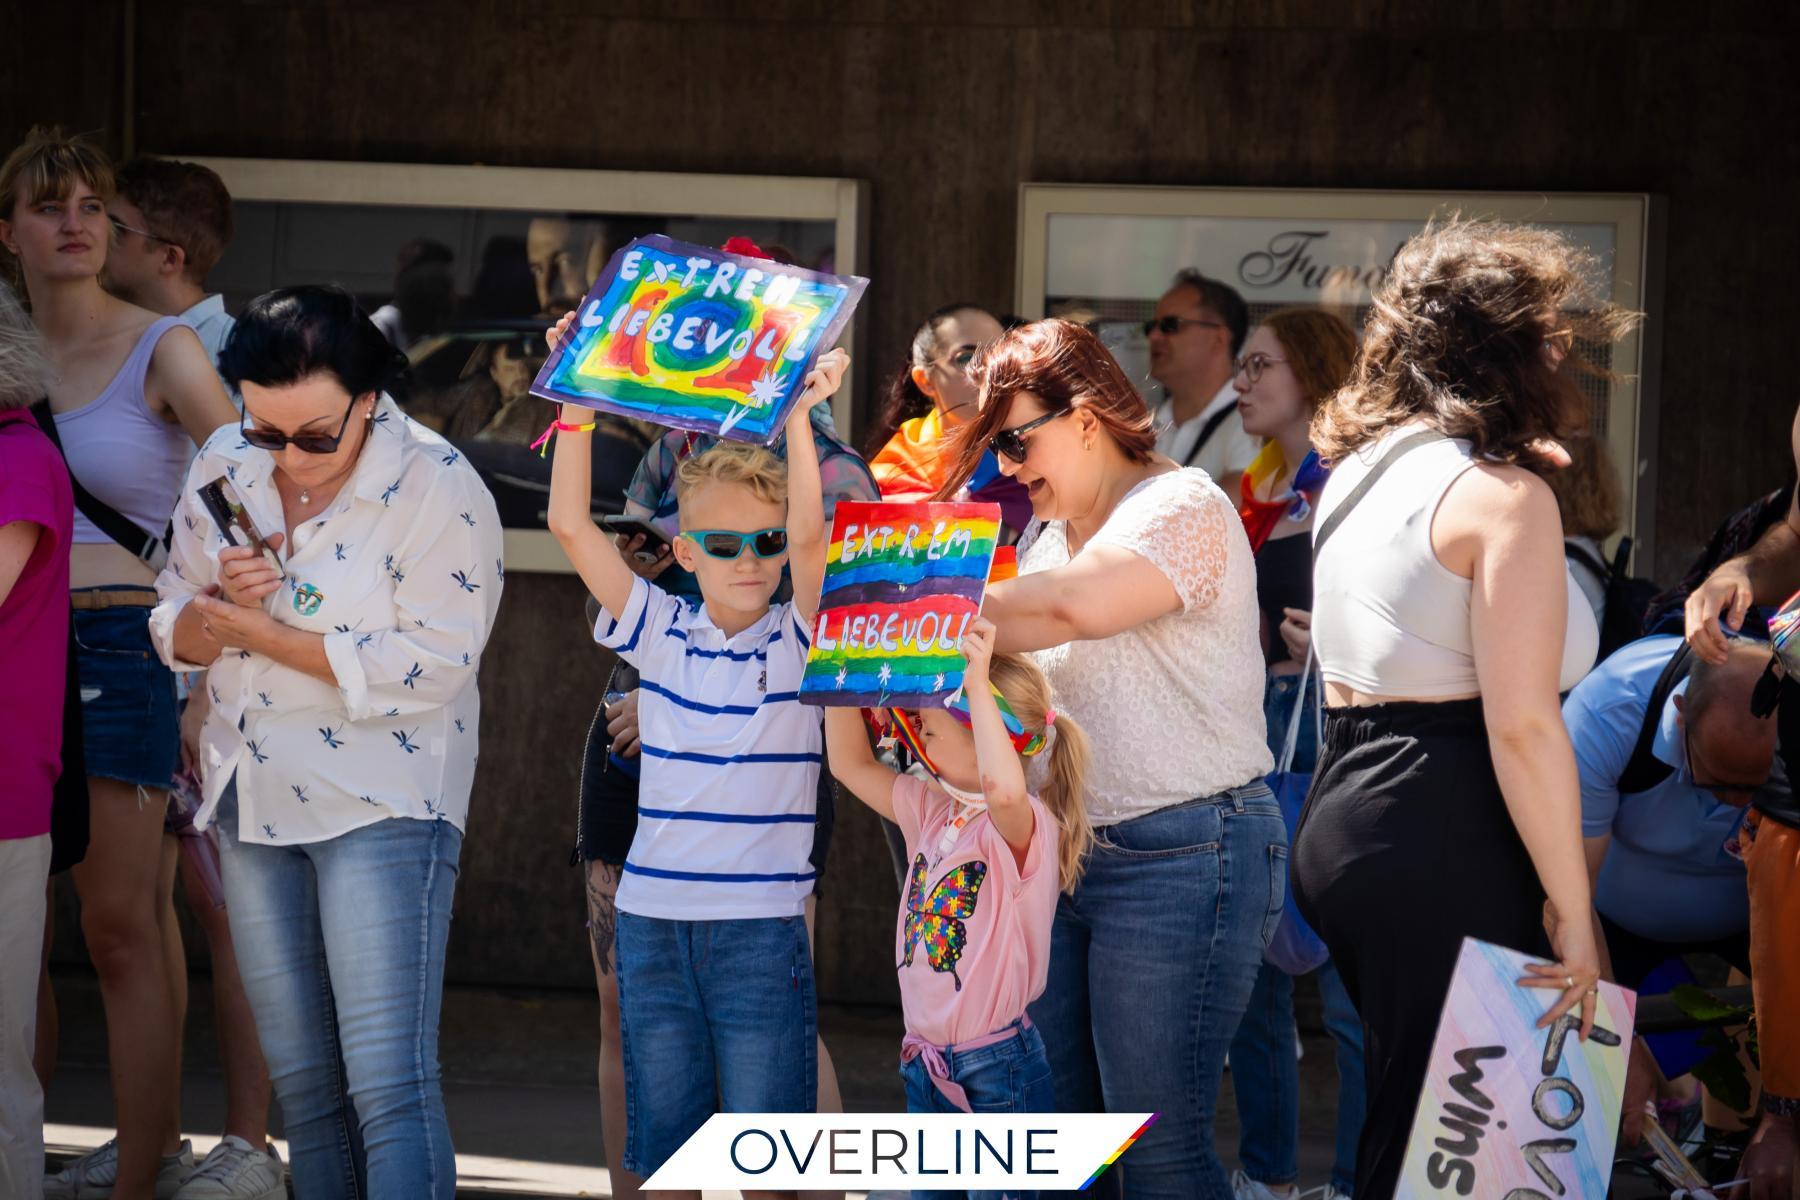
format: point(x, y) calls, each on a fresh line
point(1245, 1188)
point(236, 1170)
point(92, 1176)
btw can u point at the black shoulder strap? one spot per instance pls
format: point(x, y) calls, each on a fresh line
point(1643, 770)
point(122, 529)
point(1411, 441)
point(1588, 559)
point(1206, 431)
point(1621, 558)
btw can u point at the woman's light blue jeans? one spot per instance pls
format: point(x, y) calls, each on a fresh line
point(1151, 964)
point(1266, 1079)
point(341, 947)
point(1264, 1072)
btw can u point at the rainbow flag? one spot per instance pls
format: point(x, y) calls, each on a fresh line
point(698, 338)
point(902, 582)
point(1781, 633)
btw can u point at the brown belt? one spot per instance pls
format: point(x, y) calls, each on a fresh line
point(91, 598)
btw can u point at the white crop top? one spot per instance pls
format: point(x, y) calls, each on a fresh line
point(1389, 619)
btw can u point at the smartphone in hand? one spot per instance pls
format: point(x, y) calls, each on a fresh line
point(228, 513)
point(654, 542)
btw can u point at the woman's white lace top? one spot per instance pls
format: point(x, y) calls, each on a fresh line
point(1173, 707)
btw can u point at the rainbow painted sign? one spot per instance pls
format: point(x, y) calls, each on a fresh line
point(901, 584)
point(698, 338)
point(1511, 1110)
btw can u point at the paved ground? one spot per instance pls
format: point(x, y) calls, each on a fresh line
point(519, 1074)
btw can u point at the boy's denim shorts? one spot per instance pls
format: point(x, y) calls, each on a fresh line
point(714, 1016)
point(129, 726)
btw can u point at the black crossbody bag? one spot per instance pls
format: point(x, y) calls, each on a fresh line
point(147, 548)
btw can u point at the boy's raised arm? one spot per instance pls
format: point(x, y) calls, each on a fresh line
point(593, 554)
point(570, 518)
point(806, 499)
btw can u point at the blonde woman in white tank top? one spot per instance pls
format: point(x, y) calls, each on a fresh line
point(1445, 800)
point(54, 224)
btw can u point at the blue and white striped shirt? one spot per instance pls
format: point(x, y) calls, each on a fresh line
point(729, 793)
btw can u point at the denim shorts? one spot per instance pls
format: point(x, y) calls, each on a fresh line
point(714, 1016)
point(130, 730)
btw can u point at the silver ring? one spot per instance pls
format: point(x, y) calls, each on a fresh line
point(1568, 981)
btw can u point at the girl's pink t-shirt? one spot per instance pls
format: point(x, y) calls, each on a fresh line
point(973, 937)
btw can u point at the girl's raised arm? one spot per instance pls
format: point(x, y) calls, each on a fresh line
point(854, 764)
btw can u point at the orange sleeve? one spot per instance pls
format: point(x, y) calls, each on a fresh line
point(1773, 865)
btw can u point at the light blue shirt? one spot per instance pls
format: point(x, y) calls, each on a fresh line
point(1667, 875)
point(213, 325)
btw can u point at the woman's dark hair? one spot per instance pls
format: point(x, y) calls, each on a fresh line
point(294, 333)
point(1456, 337)
point(1064, 365)
point(902, 400)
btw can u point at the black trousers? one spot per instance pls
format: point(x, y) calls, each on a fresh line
point(1404, 849)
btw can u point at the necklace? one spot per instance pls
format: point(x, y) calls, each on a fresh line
point(969, 805)
point(305, 496)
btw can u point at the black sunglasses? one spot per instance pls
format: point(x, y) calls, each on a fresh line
point(1171, 325)
point(1011, 442)
point(307, 443)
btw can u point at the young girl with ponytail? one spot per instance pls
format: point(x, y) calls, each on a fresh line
point(987, 861)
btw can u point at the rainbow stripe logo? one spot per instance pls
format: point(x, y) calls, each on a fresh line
point(1114, 1156)
point(902, 582)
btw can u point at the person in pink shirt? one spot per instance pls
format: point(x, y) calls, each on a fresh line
point(972, 941)
point(37, 514)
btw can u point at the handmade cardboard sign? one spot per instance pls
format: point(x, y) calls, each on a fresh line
point(698, 338)
point(902, 582)
point(1510, 1111)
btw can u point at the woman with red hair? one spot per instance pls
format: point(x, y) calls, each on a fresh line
point(1137, 597)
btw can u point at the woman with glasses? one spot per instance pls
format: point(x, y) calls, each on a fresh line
point(339, 749)
point(928, 400)
point(1292, 362)
point(1138, 600)
point(1445, 803)
point(130, 396)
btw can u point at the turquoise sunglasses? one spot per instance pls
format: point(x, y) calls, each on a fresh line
point(729, 543)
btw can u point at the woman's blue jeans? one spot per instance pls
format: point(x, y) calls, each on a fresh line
point(341, 948)
point(1265, 1074)
point(1266, 1078)
point(1151, 964)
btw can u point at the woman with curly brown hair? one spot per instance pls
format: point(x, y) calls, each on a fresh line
point(1444, 804)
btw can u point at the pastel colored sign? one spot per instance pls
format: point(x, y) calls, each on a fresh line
point(1510, 1111)
point(902, 582)
point(698, 338)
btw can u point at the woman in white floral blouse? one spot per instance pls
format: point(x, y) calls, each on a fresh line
point(340, 746)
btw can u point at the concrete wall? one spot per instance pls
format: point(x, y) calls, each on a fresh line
point(946, 108)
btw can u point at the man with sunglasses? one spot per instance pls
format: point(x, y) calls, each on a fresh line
point(1195, 336)
point(1670, 754)
point(171, 224)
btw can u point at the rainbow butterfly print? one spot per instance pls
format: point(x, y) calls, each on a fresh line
point(936, 919)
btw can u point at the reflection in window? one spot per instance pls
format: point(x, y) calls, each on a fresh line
point(467, 294)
